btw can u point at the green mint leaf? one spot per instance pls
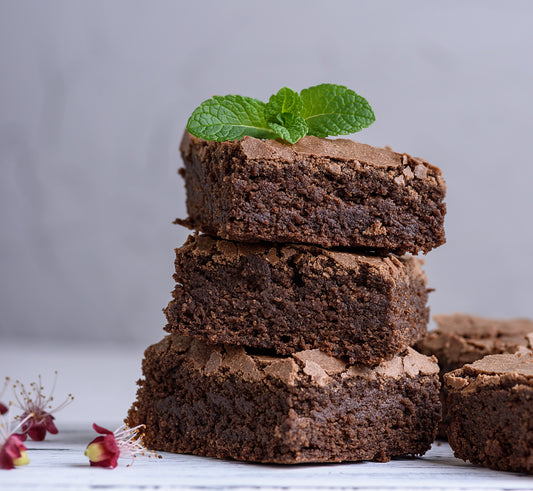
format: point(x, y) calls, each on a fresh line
point(331, 110)
point(283, 115)
point(289, 126)
point(285, 101)
point(229, 117)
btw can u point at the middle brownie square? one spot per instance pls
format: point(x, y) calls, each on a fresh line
point(289, 298)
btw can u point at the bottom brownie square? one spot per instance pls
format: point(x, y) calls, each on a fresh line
point(230, 402)
point(489, 405)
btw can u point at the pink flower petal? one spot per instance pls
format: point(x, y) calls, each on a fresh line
point(113, 462)
point(101, 430)
point(6, 462)
point(12, 449)
point(110, 444)
point(50, 425)
point(105, 463)
point(37, 432)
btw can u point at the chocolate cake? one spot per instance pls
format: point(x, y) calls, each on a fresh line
point(329, 193)
point(234, 402)
point(290, 298)
point(490, 411)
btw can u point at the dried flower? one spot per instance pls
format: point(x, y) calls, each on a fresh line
point(12, 450)
point(3, 407)
point(34, 404)
point(124, 442)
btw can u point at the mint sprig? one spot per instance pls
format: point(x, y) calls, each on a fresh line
point(323, 110)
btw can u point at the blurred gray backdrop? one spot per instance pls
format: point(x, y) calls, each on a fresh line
point(94, 97)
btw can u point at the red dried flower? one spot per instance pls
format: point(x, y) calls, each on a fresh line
point(37, 410)
point(3, 407)
point(12, 450)
point(104, 451)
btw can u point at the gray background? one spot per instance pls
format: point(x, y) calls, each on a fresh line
point(94, 97)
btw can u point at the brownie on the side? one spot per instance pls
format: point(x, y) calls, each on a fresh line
point(331, 193)
point(290, 298)
point(464, 338)
point(231, 402)
point(490, 411)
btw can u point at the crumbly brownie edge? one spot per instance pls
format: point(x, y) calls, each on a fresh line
point(291, 298)
point(280, 195)
point(315, 416)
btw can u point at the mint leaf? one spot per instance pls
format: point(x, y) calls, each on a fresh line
point(331, 110)
point(285, 101)
point(229, 117)
point(283, 115)
point(289, 126)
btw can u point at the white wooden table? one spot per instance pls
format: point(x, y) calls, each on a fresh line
point(103, 382)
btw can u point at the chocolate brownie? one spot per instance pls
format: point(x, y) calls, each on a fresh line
point(296, 297)
point(324, 192)
point(490, 410)
point(465, 338)
point(233, 402)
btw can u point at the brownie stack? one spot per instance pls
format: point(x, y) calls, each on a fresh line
point(295, 308)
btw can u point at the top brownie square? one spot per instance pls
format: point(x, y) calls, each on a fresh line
point(331, 193)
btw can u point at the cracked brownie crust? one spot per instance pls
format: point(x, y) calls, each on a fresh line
point(231, 402)
point(490, 411)
point(331, 193)
point(463, 338)
point(290, 298)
